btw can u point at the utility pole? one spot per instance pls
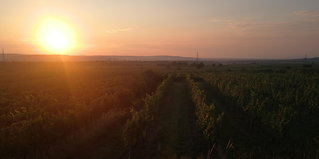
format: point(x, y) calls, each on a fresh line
point(3, 56)
point(306, 58)
point(197, 56)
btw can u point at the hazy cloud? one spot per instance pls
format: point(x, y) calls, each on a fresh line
point(307, 13)
point(302, 21)
point(119, 30)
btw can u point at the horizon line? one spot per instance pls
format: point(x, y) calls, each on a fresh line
point(98, 55)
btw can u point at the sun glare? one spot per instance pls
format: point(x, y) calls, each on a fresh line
point(56, 36)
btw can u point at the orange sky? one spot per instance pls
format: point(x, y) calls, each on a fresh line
point(218, 29)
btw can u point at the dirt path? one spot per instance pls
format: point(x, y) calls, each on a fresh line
point(181, 137)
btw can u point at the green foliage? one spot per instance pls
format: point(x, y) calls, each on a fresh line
point(287, 103)
point(42, 104)
point(45, 104)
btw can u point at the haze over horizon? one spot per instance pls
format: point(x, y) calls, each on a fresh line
point(219, 29)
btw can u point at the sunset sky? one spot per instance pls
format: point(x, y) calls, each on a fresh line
point(217, 28)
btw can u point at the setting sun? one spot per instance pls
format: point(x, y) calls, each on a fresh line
point(56, 36)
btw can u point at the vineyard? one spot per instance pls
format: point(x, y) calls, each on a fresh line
point(141, 110)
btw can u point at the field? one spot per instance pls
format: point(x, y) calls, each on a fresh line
point(148, 110)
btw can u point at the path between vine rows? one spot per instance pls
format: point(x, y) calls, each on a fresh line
point(181, 137)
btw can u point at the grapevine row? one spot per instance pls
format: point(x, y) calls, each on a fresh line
point(208, 117)
point(140, 131)
point(286, 103)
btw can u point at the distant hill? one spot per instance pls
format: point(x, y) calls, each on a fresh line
point(21, 57)
point(39, 58)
